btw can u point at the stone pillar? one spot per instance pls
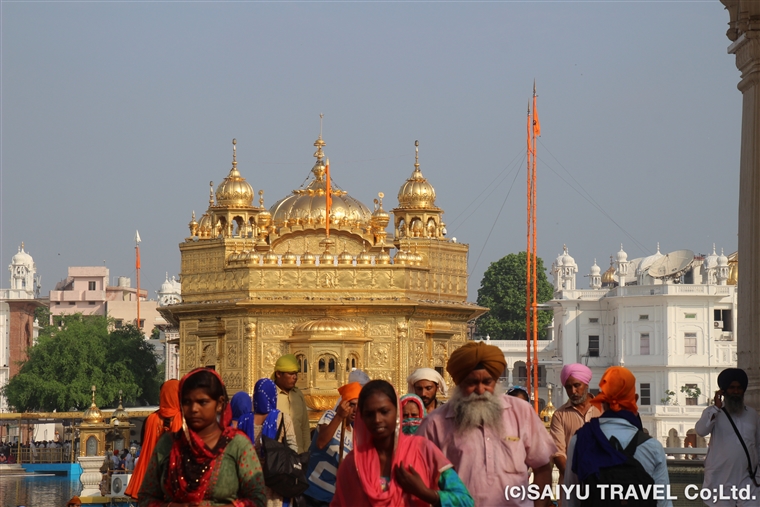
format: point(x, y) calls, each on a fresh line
point(91, 475)
point(745, 34)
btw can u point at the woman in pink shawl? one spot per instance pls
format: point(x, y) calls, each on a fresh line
point(390, 469)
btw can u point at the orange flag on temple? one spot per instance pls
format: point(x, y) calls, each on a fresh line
point(328, 197)
point(536, 123)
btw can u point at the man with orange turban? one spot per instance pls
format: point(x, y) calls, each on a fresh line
point(609, 440)
point(491, 439)
point(335, 433)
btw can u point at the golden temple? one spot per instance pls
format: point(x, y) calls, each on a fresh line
point(258, 283)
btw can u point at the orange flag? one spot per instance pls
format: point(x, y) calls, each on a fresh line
point(328, 197)
point(536, 123)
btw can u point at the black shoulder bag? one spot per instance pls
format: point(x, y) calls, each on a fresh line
point(744, 446)
point(284, 472)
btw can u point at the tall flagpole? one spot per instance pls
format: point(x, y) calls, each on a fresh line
point(528, 259)
point(137, 268)
point(536, 132)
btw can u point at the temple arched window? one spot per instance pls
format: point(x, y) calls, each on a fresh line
point(303, 363)
point(321, 364)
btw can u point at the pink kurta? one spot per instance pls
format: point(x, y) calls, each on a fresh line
point(486, 462)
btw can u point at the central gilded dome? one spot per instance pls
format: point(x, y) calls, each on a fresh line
point(234, 190)
point(308, 205)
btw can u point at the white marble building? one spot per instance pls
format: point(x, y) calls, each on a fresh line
point(670, 319)
point(169, 294)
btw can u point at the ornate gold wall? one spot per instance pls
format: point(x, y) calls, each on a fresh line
point(258, 283)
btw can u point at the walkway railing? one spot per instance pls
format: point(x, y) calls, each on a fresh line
point(42, 455)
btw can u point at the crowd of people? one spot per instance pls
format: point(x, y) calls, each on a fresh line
point(378, 447)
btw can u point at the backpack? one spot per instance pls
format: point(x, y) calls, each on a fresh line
point(284, 469)
point(626, 474)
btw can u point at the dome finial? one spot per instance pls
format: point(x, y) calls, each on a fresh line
point(93, 395)
point(261, 198)
point(417, 154)
point(22, 246)
point(319, 143)
point(658, 247)
point(211, 193)
point(234, 153)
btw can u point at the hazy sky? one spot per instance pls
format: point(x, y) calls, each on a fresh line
point(116, 115)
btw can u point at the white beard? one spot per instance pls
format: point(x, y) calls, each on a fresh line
point(470, 412)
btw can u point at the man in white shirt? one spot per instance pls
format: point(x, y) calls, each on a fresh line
point(726, 463)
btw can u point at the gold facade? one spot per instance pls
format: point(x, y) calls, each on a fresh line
point(258, 283)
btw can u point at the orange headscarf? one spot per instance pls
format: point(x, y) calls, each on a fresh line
point(168, 408)
point(617, 389)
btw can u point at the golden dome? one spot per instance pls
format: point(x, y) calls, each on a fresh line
point(548, 411)
point(234, 191)
point(308, 258)
point(120, 414)
point(204, 226)
point(345, 257)
point(270, 258)
point(364, 257)
point(289, 257)
point(417, 192)
point(383, 257)
point(92, 415)
point(308, 205)
point(326, 258)
point(608, 277)
point(380, 217)
point(401, 257)
point(327, 327)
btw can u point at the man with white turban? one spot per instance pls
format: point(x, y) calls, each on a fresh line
point(491, 439)
point(427, 383)
point(575, 413)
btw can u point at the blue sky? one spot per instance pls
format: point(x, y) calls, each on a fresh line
point(116, 115)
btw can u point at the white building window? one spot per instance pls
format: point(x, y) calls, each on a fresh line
point(593, 320)
point(90, 285)
point(644, 344)
point(690, 343)
point(643, 317)
point(694, 399)
point(593, 346)
point(645, 394)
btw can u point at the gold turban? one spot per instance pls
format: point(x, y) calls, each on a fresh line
point(466, 358)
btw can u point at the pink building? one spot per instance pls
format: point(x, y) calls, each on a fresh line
point(86, 291)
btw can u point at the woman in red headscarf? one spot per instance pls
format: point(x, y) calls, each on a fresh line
point(390, 469)
point(168, 417)
point(208, 462)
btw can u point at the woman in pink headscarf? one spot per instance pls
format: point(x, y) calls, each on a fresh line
point(390, 469)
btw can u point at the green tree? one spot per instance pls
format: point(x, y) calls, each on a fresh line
point(69, 359)
point(503, 291)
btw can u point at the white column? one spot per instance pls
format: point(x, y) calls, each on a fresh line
point(746, 47)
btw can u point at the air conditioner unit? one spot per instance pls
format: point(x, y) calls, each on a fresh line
point(119, 484)
point(718, 324)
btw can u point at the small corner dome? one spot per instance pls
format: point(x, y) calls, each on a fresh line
point(567, 260)
point(722, 260)
point(595, 269)
point(648, 261)
point(234, 191)
point(22, 258)
point(711, 261)
point(621, 255)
